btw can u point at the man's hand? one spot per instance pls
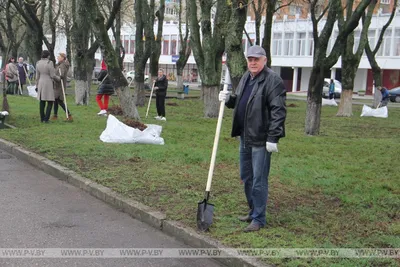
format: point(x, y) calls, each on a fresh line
point(224, 96)
point(272, 147)
point(155, 88)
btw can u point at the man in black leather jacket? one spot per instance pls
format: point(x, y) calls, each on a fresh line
point(258, 118)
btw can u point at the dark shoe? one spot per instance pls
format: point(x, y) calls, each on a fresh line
point(46, 121)
point(252, 227)
point(246, 218)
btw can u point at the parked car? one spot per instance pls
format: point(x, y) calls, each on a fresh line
point(394, 94)
point(130, 75)
point(96, 71)
point(325, 89)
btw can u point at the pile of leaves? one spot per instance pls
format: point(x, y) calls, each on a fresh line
point(115, 110)
point(135, 124)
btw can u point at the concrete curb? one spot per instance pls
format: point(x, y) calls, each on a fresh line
point(133, 208)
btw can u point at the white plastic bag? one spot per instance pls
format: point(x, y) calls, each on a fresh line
point(374, 112)
point(31, 91)
point(329, 102)
point(118, 132)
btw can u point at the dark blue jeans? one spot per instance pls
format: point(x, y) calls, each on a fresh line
point(254, 171)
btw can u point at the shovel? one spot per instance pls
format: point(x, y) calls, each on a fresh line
point(151, 94)
point(205, 210)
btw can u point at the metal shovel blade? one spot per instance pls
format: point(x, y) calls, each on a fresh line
point(205, 213)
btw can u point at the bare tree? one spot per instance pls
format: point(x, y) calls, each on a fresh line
point(65, 26)
point(35, 14)
point(111, 57)
point(351, 60)
point(259, 7)
point(321, 62)
point(156, 40)
point(14, 28)
point(371, 54)
point(208, 48)
point(271, 9)
point(143, 46)
point(184, 45)
point(236, 61)
point(83, 54)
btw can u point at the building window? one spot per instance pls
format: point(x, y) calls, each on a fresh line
point(301, 44)
point(310, 49)
point(294, 9)
point(288, 44)
point(165, 50)
point(171, 11)
point(174, 44)
point(397, 42)
point(126, 44)
point(385, 2)
point(384, 50)
point(277, 44)
point(132, 46)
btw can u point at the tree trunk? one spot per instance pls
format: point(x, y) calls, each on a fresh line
point(81, 92)
point(33, 45)
point(349, 68)
point(313, 116)
point(140, 94)
point(142, 48)
point(112, 60)
point(266, 44)
point(126, 101)
point(179, 81)
point(81, 80)
point(346, 103)
point(377, 74)
point(80, 38)
point(156, 42)
point(233, 44)
point(211, 103)
point(314, 97)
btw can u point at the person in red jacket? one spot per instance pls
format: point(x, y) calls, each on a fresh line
point(106, 89)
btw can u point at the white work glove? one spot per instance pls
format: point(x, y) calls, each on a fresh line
point(272, 147)
point(224, 96)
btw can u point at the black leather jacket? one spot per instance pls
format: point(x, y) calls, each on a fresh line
point(162, 84)
point(265, 111)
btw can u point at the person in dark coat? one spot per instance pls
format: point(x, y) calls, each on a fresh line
point(62, 68)
point(106, 89)
point(22, 71)
point(161, 86)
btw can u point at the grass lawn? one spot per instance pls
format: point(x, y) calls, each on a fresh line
point(340, 189)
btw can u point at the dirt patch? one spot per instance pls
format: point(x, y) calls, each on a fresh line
point(292, 105)
point(115, 110)
point(135, 159)
point(172, 104)
point(135, 124)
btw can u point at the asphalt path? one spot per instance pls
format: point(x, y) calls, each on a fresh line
point(40, 211)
